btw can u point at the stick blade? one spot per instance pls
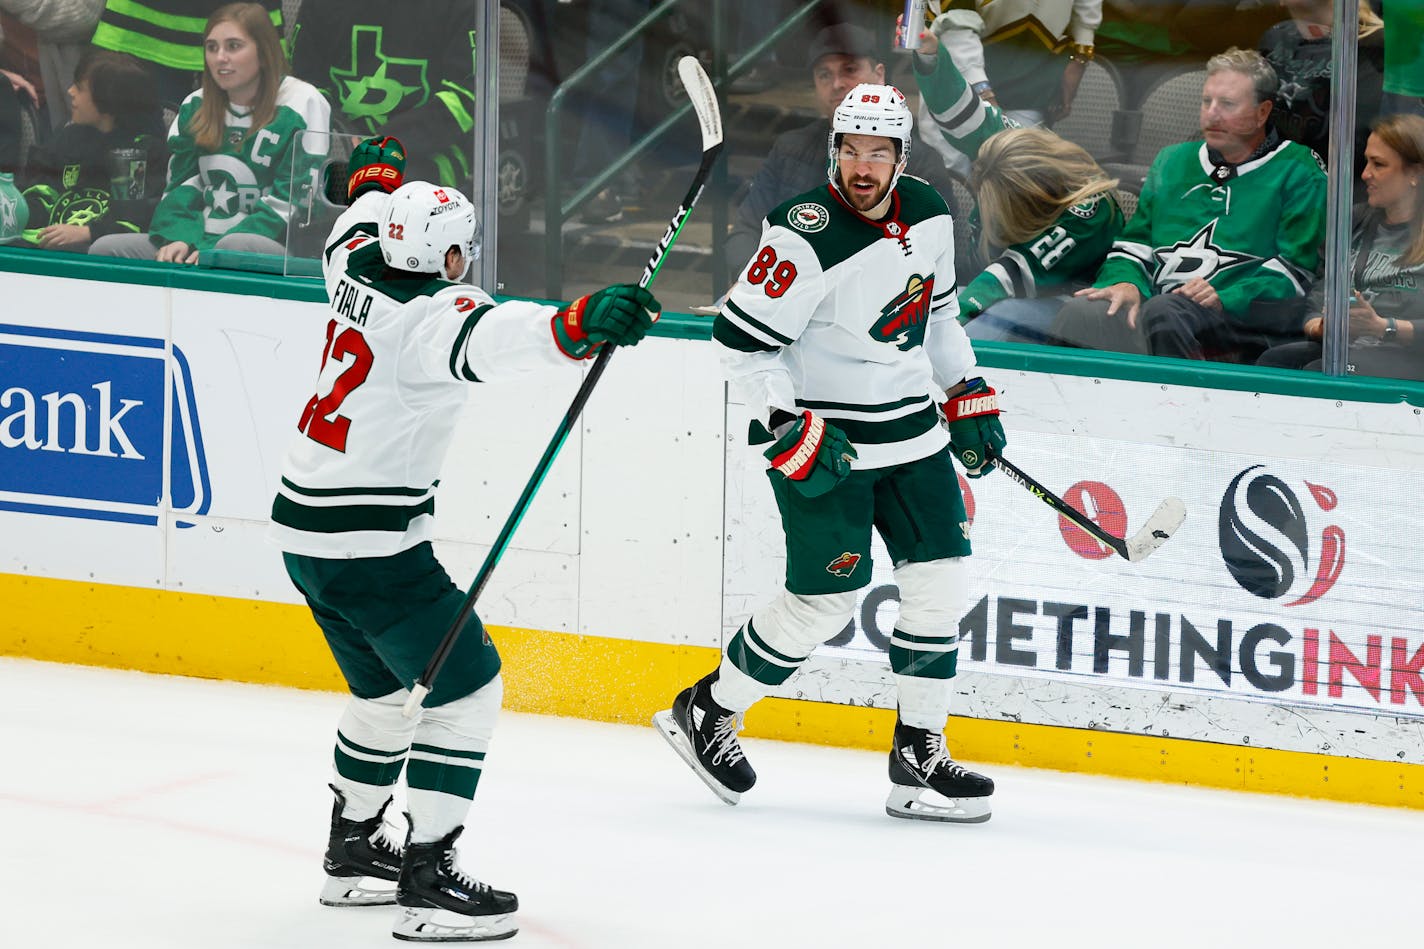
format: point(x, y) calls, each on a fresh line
point(704, 100)
point(1157, 531)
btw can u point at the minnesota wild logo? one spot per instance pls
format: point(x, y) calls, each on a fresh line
point(375, 85)
point(903, 320)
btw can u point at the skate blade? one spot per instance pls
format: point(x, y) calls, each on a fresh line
point(923, 804)
point(350, 891)
point(667, 727)
point(426, 924)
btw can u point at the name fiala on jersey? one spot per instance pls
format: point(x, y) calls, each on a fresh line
point(904, 318)
point(345, 301)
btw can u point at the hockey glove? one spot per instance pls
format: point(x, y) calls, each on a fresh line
point(377, 164)
point(813, 455)
point(620, 314)
point(975, 435)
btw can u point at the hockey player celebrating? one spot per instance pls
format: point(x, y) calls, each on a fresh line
point(843, 330)
point(354, 516)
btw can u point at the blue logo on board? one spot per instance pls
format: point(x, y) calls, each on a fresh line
point(82, 427)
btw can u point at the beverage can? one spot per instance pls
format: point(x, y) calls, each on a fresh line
point(128, 169)
point(912, 24)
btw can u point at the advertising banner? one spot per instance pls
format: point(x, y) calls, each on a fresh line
point(1284, 585)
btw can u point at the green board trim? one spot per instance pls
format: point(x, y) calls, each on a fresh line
point(260, 275)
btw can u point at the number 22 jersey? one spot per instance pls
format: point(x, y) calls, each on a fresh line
point(360, 476)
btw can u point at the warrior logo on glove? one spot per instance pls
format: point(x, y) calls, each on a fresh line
point(975, 433)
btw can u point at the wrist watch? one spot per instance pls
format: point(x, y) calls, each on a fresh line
point(979, 88)
point(1391, 329)
point(1082, 52)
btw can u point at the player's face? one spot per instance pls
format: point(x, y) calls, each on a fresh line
point(1390, 182)
point(232, 61)
point(81, 104)
point(835, 74)
point(1232, 121)
point(455, 264)
point(867, 166)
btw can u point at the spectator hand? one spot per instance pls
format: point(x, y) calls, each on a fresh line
point(1068, 91)
point(1118, 295)
point(1199, 291)
point(620, 314)
point(177, 252)
point(1314, 327)
point(20, 84)
point(64, 235)
point(1364, 321)
point(377, 164)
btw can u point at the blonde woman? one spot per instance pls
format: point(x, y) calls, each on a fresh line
point(1047, 214)
point(238, 143)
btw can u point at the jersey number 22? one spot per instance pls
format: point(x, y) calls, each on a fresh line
point(319, 419)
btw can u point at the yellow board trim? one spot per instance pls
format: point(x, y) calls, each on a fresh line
point(616, 680)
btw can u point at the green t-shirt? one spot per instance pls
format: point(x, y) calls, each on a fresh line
point(1404, 47)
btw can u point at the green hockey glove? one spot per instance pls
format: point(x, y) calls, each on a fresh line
point(620, 314)
point(975, 435)
point(377, 164)
point(813, 455)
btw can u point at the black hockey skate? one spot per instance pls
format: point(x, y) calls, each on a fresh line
point(704, 734)
point(929, 785)
point(440, 903)
point(358, 853)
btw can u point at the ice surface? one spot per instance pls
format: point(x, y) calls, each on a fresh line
point(151, 811)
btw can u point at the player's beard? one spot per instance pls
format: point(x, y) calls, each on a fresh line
point(864, 201)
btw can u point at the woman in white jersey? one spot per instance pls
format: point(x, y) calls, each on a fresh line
point(239, 143)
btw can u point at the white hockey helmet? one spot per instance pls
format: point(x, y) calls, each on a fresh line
point(871, 109)
point(421, 221)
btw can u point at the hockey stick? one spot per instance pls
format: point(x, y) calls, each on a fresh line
point(1157, 531)
point(709, 118)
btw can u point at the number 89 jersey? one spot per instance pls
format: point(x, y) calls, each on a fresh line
point(400, 349)
point(853, 319)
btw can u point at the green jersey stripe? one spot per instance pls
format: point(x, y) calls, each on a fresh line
point(756, 325)
point(349, 517)
point(818, 405)
point(356, 492)
point(362, 227)
point(733, 336)
point(888, 431)
point(460, 368)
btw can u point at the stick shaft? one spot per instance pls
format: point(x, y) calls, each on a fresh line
point(1058, 504)
point(600, 364)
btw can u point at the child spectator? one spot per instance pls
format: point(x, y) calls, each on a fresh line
point(103, 172)
point(239, 143)
point(1298, 50)
point(1386, 264)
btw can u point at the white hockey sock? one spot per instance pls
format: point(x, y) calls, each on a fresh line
point(736, 691)
point(371, 742)
point(924, 703)
point(446, 760)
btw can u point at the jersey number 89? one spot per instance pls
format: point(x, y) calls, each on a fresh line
point(777, 276)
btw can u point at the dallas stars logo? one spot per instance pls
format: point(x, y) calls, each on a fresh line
point(903, 320)
point(1198, 257)
point(376, 84)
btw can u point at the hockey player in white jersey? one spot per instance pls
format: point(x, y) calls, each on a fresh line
point(843, 330)
point(354, 511)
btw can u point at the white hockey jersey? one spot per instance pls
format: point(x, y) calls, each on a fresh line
point(360, 476)
point(853, 319)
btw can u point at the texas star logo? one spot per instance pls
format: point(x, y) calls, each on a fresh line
point(1198, 257)
point(809, 217)
point(903, 320)
point(844, 565)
